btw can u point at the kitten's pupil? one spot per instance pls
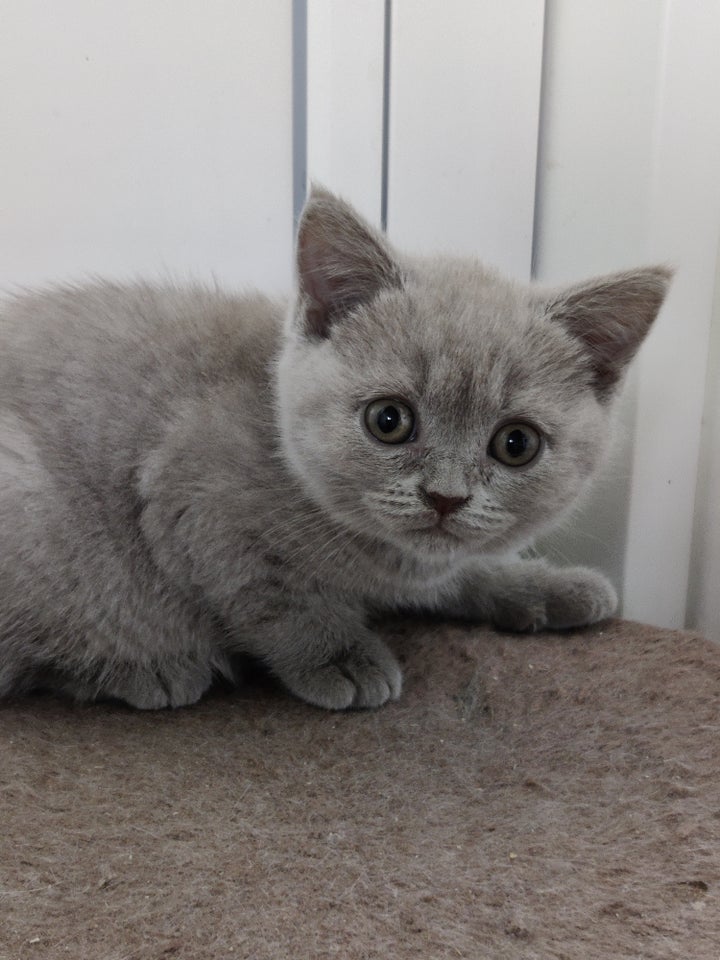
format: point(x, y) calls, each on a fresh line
point(388, 419)
point(516, 443)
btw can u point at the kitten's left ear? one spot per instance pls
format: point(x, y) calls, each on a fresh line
point(341, 262)
point(611, 316)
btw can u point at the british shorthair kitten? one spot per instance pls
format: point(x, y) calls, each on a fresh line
point(186, 475)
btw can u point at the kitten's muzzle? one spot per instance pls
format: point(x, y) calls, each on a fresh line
point(441, 503)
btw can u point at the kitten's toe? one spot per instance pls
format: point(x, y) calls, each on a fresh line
point(366, 676)
point(185, 690)
point(374, 672)
point(325, 686)
point(519, 617)
point(582, 597)
point(143, 694)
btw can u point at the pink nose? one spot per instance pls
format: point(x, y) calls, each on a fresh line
point(438, 501)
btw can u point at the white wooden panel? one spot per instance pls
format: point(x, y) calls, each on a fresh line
point(465, 93)
point(600, 89)
point(704, 594)
point(601, 73)
point(345, 99)
point(144, 136)
point(684, 228)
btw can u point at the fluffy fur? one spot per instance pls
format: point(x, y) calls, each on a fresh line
point(185, 475)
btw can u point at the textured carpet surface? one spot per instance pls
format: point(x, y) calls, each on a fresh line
point(550, 797)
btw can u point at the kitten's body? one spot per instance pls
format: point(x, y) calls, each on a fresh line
point(185, 474)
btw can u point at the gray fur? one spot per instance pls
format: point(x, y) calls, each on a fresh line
point(186, 474)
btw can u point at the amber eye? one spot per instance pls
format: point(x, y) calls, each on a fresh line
point(390, 421)
point(515, 444)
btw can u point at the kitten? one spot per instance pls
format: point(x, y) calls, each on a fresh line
point(185, 474)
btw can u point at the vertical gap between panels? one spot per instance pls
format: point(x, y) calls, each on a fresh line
point(385, 160)
point(539, 156)
point(299, 106)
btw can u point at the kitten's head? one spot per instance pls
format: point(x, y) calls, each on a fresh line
point(435, 405)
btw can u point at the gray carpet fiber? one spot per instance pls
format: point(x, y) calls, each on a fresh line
point(545, 797)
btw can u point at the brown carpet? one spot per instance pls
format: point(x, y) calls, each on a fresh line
point(550, 797)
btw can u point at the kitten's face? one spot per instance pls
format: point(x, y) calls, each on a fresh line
point(447, 388)
point(432, 404)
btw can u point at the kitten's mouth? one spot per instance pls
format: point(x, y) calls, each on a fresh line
point(437, 530)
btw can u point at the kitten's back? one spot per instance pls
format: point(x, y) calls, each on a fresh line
point(104, 364)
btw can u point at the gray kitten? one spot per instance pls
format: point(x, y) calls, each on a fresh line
point(186, 474)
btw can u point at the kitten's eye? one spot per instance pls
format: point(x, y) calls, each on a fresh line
point(390, 421)
point(515, 444)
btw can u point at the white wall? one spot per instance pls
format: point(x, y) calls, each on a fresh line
point(146, 136)
point(156, 136)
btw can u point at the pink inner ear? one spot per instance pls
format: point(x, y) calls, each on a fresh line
point(312, 275)
point(609, 340)
point(341, 263)
point(314, 256)
point(311, 272)
point(611, 317)
point(329, 290)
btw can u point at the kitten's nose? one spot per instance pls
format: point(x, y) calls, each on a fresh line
point(438, 501)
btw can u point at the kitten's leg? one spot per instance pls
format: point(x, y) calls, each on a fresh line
point(83, 607)
point(529, 595)
point(215, 536)
point(325, 654)
point(79, 615)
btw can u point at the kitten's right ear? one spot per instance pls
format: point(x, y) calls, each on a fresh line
point(341, 262)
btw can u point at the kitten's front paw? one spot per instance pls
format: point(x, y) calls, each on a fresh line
point(564, 598)
point(582, 597)
point(365, 675)
point(173, 684)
